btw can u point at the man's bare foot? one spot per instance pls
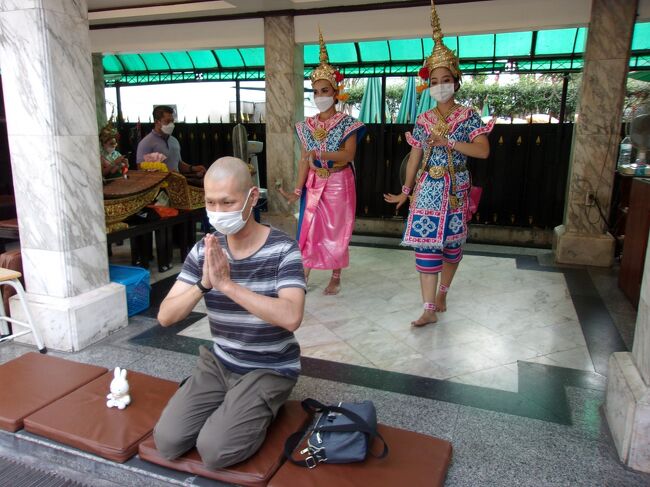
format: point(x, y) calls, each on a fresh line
point(441, 301)
point(427, 318)
point(333, 287)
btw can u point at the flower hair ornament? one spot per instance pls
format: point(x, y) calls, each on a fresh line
point(328, 72)
point(441, 56)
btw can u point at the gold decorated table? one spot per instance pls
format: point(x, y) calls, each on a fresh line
point(125, 197)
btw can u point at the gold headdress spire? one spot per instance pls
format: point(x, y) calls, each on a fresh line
point(326, 71)
point(441, 56)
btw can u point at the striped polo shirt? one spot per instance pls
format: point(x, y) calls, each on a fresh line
point(242, 341)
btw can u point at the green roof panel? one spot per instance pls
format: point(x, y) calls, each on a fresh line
point(132, 62)
point(203, 59)
point(513, 44)
point(560, 41)
point(406, 49)
point(112, 64)
point(230, 58)
point(641, 37)
point(155, 61)
point(253, 56)
point(476, 46)
point(374, 51)
point(556, 50)
point(179, 60)
point(340, 52)
point(310, 54)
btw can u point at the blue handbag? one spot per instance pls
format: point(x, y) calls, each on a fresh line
point(340, 434)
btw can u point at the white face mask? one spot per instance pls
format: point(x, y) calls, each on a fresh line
point(167, 129)
point(229, 222)
point(323, 102)
point(442, 92)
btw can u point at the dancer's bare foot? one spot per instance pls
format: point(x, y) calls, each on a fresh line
point(427, 318)
point(441, 301)
point(333, 287)
point(441, 298)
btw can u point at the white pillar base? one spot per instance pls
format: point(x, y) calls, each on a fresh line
point(627, 408)
point(71, 324)
point(583, 249)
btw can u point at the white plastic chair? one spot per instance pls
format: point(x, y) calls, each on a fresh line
point(11, 278)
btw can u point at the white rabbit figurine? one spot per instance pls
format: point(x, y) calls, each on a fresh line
point(119, 396)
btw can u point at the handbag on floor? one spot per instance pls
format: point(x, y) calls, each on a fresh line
point(340, 434)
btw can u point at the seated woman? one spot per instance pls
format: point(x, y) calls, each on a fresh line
point(113, 163)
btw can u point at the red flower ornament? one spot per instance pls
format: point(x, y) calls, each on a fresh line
point(424, 73)
point(338, 76)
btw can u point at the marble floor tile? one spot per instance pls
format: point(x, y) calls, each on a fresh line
point(356, 327)
point(415, 364)
point(200, 329)
point(575, 358)
point(502, 377)
point(555, 338)
point(379, 346)
point(315, 335)
point(337, 352)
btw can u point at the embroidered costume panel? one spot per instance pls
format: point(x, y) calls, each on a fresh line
point(436, 217)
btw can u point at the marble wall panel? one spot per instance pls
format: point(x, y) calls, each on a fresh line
point(74, 8)
point(641, 345)
point(58, 189)
point(100, 97)
point(612, 22)
point(592, 161)
point(55, 88)
point(65, 274)
point(601, 97)
point(620, 403)
point(284, 106)
point(640, 441)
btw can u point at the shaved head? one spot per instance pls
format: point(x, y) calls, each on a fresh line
point(230, 168)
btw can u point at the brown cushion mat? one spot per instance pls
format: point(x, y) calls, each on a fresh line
point(254, 472)
point(82, 420)
point(413, 460)
point(33, 381)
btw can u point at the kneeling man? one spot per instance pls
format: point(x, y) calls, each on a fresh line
point(251, 277)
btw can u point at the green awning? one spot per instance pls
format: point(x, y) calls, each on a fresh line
point(553, 50)
point(408, 106)
point(370, 110)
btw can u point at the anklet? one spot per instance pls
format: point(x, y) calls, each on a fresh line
point(430, 306)
point(443, 289)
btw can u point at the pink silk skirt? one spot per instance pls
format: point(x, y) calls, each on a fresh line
point(328, 220)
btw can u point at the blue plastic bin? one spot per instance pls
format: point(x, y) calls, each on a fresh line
point(136, 280)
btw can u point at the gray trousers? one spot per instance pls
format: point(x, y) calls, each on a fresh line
point(225, 415)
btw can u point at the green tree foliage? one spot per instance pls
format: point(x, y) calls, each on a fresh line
point(529, 94)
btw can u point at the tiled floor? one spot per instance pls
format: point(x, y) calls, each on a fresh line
point(510, 374)
point(497, 315)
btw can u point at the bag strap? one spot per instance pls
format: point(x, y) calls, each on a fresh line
point(313, 406)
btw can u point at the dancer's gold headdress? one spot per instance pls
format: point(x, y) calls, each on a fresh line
point(326, 71)
point(441, 56)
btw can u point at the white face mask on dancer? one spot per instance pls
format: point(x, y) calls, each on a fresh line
point(229, 222)
point(324, 102)
point(442, 92)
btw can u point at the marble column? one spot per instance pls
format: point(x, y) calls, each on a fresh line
point(100, 97)
point(47, 79)
point(627, 404)
point(283, 64)
point(583, 238)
